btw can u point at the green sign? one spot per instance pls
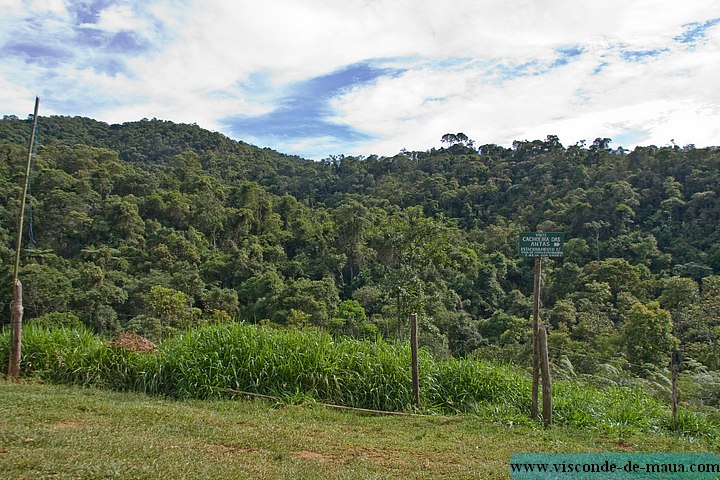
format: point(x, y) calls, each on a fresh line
point(541, 244)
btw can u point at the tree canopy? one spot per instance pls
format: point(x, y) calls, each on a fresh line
point(152, 226)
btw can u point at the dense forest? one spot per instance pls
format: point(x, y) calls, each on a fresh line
point(153, 226)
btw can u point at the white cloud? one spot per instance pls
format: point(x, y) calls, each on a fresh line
point(47, 14)
point(295, 40)
point(54, 7)
point(120, 17)
point(205, 53)
point(10, 7)
point(15, 98)
point(671, 92)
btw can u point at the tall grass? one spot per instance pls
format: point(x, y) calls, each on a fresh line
point(217, 361)
point(76, 356)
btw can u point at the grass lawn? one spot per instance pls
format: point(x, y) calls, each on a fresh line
point(60, 432)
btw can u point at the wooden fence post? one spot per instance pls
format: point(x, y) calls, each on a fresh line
point(415, 361)
point(546, 378)
point(674, 365)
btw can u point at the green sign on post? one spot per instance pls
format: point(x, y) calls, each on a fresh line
point(541, 244)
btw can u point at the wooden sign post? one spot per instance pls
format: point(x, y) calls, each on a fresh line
point(538, 245)
point(536, 338)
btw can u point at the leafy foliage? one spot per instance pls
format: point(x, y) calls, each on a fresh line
point(152, 226)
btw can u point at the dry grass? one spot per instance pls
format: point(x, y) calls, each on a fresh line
point(133, 342)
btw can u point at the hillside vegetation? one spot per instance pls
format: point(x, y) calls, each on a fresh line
point(154, 227)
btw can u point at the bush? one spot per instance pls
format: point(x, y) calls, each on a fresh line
point(147, 326)
point(57, 319)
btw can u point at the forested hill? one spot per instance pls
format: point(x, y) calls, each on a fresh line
point(151, 226)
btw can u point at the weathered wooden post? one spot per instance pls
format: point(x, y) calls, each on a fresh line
point(546, 378)
point(415, 360)
point(537, 245)
point(674, 366)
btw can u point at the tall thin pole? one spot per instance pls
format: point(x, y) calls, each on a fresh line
point(414, 359)
point(21, 214)
point(536, 339)
point(16, 306)
point(674, 364)
point(399, 318)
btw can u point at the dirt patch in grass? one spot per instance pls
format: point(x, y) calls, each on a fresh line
point(333, 458)
point(133, 343)
point(380, 456)
point(624, 445)
point(308, 455)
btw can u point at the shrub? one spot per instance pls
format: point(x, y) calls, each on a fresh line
point(57, 319)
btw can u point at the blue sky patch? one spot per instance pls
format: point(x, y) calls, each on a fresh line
point(36, 52)
point(125, 42)
point(257, 84)
point(110, 66)
point(600, 67)
point(451, 62)
point(120, 42)
point(304, 109)
point(88, 12)
point(563, 56)
point(630, 137)
point(66, 95)
point(695, 31)
point(90, 37)
point(566, 55)
point(503, 73)
point(641, 55)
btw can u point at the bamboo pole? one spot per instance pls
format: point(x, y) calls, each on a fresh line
point(16, 306)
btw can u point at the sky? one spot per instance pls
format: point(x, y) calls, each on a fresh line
point(317, 78)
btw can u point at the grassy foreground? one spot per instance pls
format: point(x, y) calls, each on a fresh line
point(217, 361)
point(62, 432)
